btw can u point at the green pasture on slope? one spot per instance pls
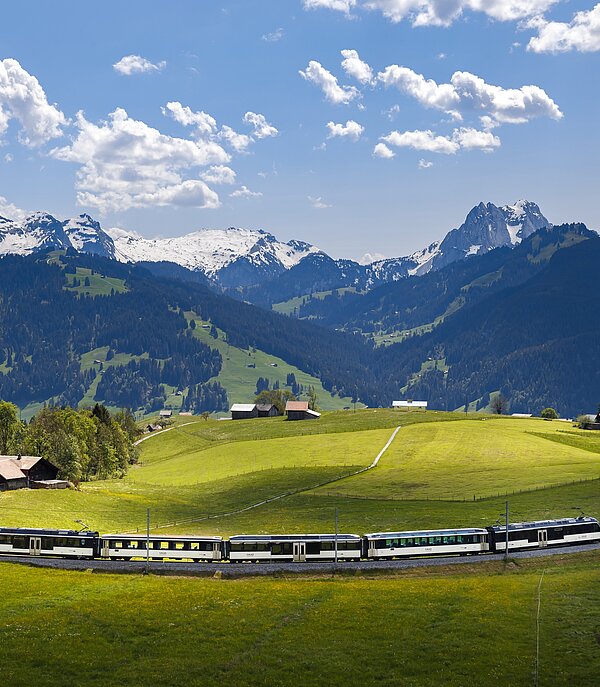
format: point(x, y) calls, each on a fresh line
point(99, 284)
point(451, 627)
point(462, 460)
point(241, 369)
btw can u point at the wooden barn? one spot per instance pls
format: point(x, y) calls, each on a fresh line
point(244, 411)
point(267, 410)
point(18, 472)
point(299, 410)
point(410, 405)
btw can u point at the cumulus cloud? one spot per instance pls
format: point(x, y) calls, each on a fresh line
point(245, 192)
point(262, 128)
point(126, 164)
point(136, 64)
point(274, 36)
point(381, 150)
point(239, 142)
point(10, 211)
point(327, 82)
point(469, 139)
point(338, 5)
point(468, 93)
point(318, 203)
point(8, 158)
point(23, 99)
point(425, 164)
point(219, 174)
point(356, 68)
point(203, 123)
point(445, 12)
point(582, 33)
point(351, 130)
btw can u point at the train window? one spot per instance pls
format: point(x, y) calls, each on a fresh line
point(165, 545)
point(449, 540)
point(313, 547)
point(281, 549)
point(179, 546)
point(436, 540)
point(20, 542)
point(5, 539)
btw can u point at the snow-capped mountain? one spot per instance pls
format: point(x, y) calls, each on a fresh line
point(233, 257)
point(87, 236)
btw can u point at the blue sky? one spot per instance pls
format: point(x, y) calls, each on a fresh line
point(215, 114)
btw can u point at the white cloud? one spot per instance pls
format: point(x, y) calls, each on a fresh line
point(338, 5)
point(326, 81)
point(245, 192)
point(204, 123)
point(445, 12)
point(10, 211)
point(381, 150)
point(468, 93)
point(582, 33)
point(422, 140)
point(472, 139)
point(262, 128)
point(368, 258)
point(425, 164)
point(274, 36)
point(355, 67)
point(125, 164)
point(135, 64)
point(239, 142)
point(350, 129)
point(8, 158)
point(466, 138)
point(318, 203)
point(24, 100)
point(391, 112)
point(219, 174)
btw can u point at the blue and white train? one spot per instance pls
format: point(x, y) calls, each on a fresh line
point(299, 548)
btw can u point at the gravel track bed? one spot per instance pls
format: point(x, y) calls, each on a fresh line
point(265, 569)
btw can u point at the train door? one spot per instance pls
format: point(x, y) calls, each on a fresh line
point(372, 550)
point(299, 552)
point(216, 551)
point(542, 538)
point(35, 546)
point(105, 552)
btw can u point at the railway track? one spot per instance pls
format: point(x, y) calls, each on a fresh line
point(265, 569)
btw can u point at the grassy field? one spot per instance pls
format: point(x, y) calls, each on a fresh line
point(427, 478)
point(99, 284)
point(293, 304)
point(455, 627)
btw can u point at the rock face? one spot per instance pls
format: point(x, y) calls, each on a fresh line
point(86, 236)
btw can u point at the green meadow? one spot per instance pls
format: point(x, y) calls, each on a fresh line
point(472, 626)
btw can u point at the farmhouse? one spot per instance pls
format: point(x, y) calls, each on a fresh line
point(267, 410)
point(410, 405)
point(18, 472)
point(299, 410)
point(244, 411)
point(165, 413)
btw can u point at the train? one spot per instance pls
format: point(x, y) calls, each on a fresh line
point(299, 548)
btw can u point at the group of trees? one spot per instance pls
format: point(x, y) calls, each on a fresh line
point(83, 444)
point(209, 397)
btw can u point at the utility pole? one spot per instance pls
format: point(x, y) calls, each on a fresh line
point(336, 535)
point(147, 540)
point(506, 551)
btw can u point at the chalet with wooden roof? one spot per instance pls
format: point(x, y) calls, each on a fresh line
point(244, 411)
point(299, 410)
point(19, 472)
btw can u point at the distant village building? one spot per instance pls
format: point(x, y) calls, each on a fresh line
point(299, 410)
point(165, 413)
point(244, 411)
point(267, 410)
point(19, 472)
point(410, 405)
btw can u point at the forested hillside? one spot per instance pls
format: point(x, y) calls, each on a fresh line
point(520, 322)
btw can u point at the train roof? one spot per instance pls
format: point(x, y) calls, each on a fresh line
point(40, 532)
point(541, 524)
point(426, 533)
point(292, 537)
point(157, 537)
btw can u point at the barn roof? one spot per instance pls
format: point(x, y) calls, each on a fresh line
point(8, 469)
point(313, 413)
point(296, 405)
point(243, 407)
point(264, 407)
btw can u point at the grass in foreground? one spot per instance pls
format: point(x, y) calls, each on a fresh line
point(452, 627)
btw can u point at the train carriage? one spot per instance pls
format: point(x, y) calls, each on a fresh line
point(294, 547)
point(543, 533)
point(126, 547)
point(41, 542)
point(426, 543)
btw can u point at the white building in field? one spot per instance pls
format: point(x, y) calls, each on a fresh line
point(410, 405)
